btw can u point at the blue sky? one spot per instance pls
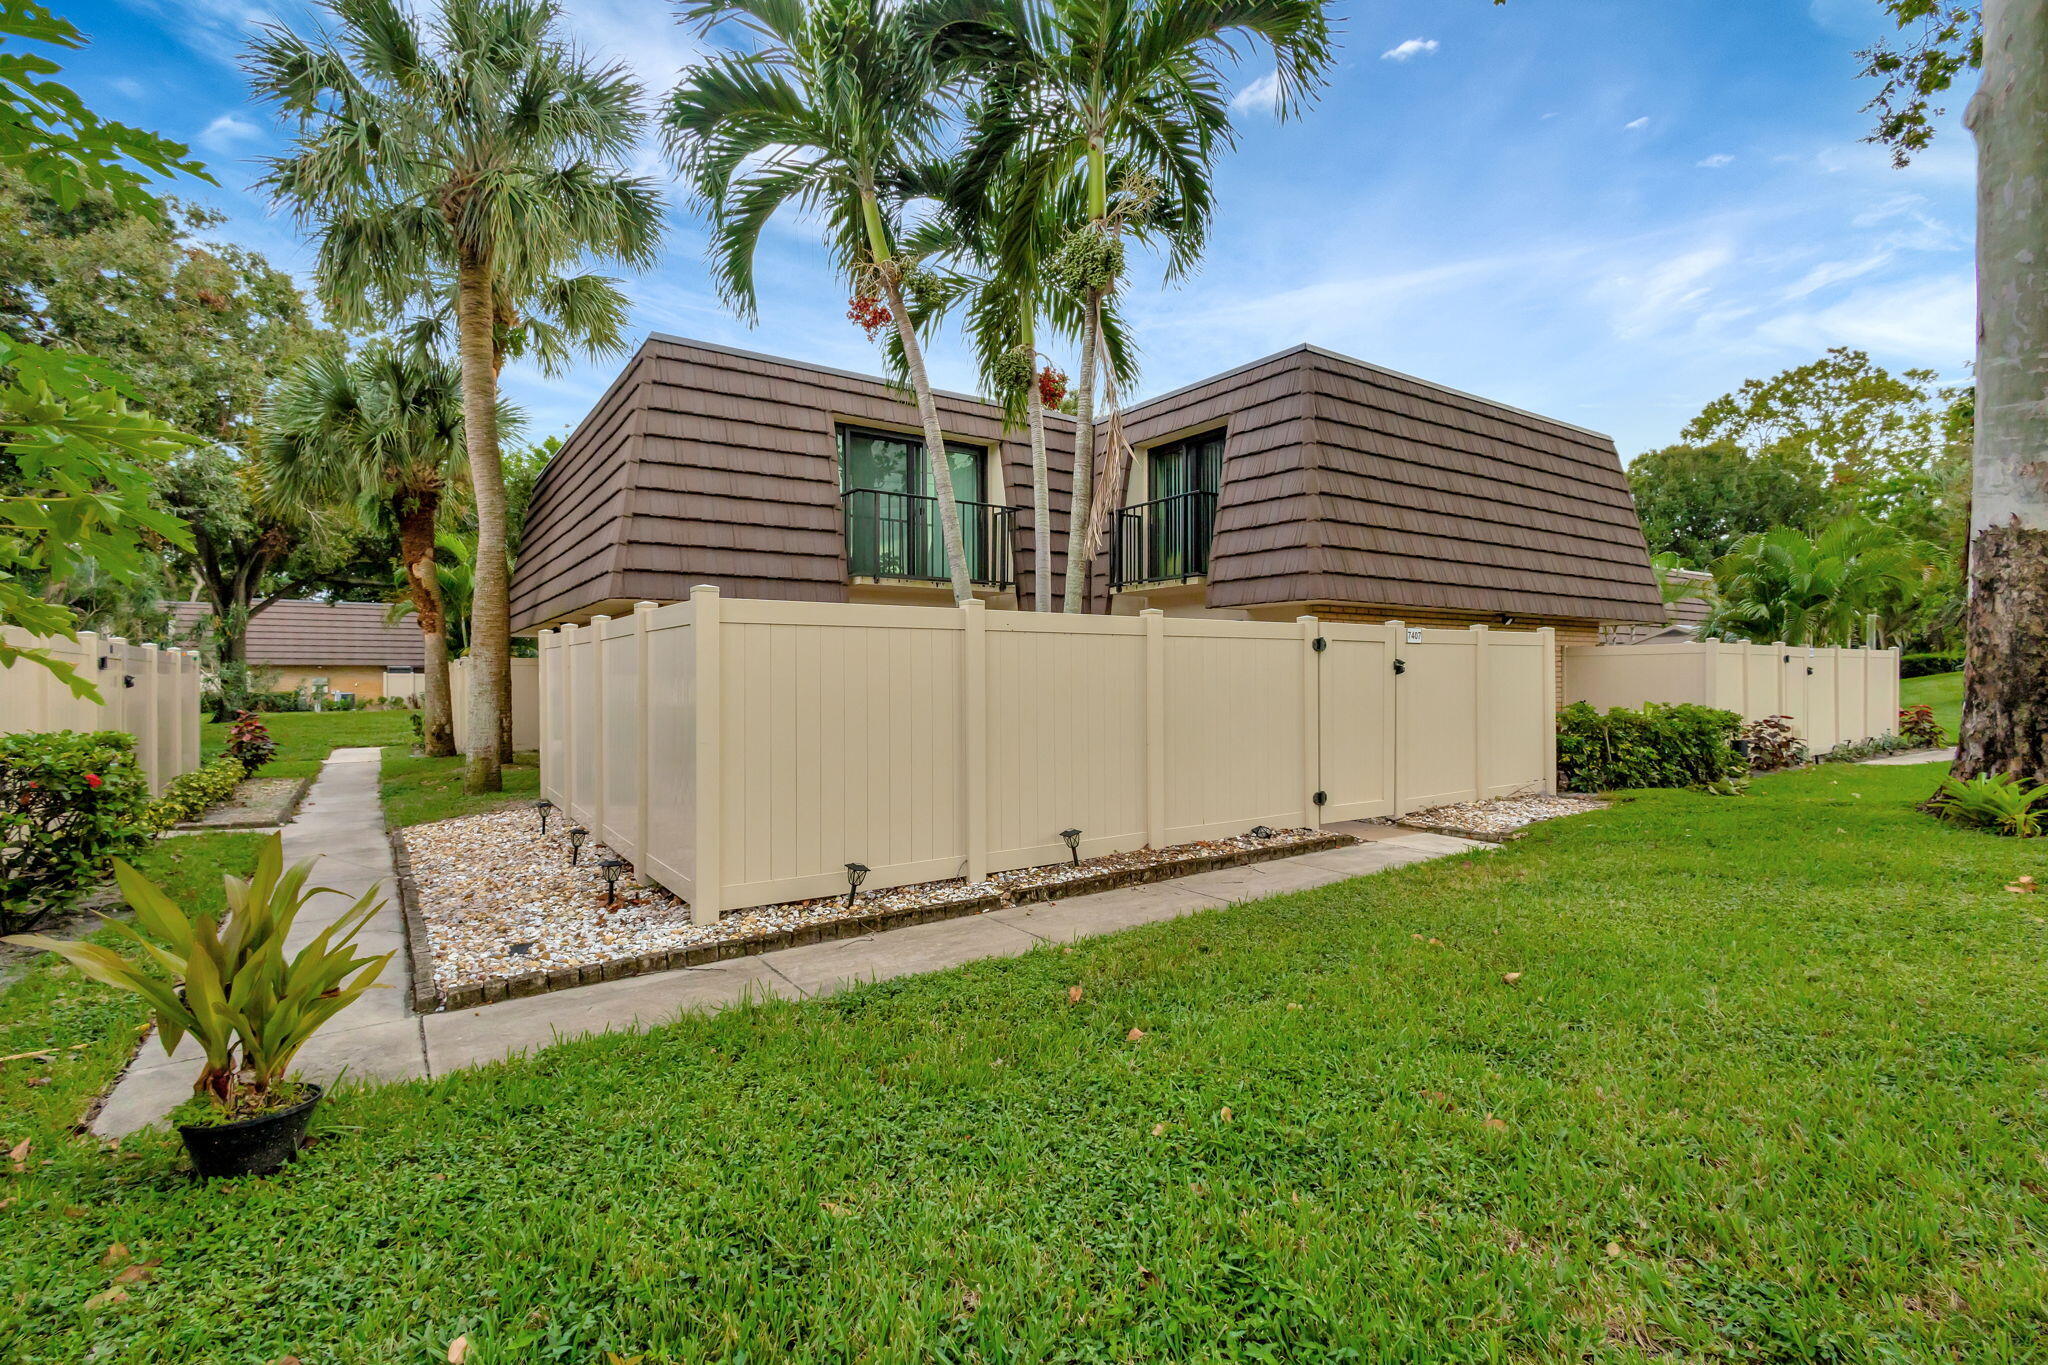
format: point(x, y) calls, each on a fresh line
point(1609, 211)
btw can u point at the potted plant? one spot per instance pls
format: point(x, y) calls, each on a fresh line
point(249, 1002)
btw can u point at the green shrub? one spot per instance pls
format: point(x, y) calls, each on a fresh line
point(1771, 744)
point(1921, 665)
point(70, 803)
point(1918, 725)
point(1658, 746)
point(1994, 801)
point(191, 796)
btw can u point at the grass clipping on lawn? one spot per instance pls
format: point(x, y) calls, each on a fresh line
point(1750, 1078)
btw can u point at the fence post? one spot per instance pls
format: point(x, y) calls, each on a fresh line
point(147, 682)
point(1311, 722)
point(1480, 736)
point(569, 633)
point(191, 705)
point(1397, 637)
point(974, 707)
point(707, 897)
point(1710, 672)
point(598, 764)
point(1548, 720)
point(1155, 726)
point(643, 619)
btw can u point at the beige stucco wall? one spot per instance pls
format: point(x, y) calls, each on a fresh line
point(366, 681)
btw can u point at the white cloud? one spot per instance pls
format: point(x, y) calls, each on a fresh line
point(1263, 93)
point(226, 133)
point(1636, 125)
point(1414, 47)
point(1917, 319)
point(1716, 161)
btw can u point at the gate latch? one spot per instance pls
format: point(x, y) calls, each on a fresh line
point(1321, 644)
point(1322, 798)
point(1400, 665)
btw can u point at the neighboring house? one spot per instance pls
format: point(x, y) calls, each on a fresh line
point(1304, 482)
point(1682, 617)
point(349, 647)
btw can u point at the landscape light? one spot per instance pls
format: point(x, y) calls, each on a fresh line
point(856, 873)
point(611, 867)
point(546, 808)
point(577, 834)
point(1073, 838)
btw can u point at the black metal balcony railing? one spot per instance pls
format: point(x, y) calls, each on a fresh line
point(1162, 540)
point(897, 535)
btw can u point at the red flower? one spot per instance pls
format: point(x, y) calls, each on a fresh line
point(869, 312)
point(93, 780)
point(1052, 387)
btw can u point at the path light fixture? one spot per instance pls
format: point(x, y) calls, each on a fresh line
point(546, 808)
point(1073, 838)
point(856, 873)
point(577, 834)
point(612, 868)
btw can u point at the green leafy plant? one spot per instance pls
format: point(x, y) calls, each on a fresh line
point(1923, 665)
point(69, 803)
point(1773, 744)
point(249, 743)
point(1994, 801)
point(1725, 786)
point(1918, 725)
point(232, 984)
point(191, 795)
point(1658, 746)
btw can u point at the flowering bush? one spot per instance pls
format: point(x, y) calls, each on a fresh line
point(249, 742)
point(70, 803)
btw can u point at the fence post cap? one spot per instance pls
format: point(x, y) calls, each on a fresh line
point(645, 605)
point(704, 590)
point(973, 604)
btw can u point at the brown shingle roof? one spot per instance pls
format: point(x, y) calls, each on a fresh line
point(1342, 482)
point(318, 634)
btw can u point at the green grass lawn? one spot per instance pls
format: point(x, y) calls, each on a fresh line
point(417, 790)
point(305, 737)
point(1769, 1088)
point(1942, 691)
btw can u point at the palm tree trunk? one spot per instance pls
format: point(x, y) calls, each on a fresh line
point(1041, 501)
point(423, 584)
point(934, 446)
point(1078, 513)
point(2005, 681)
point(490, 629)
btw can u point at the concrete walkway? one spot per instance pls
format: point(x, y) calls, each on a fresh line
point(342, 824)
point(1917, 756)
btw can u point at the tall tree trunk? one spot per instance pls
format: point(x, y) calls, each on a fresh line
point(1079, 512)
point(423, 584)
point(1041, 499)
point(490, 617)
point(934, 446)
point(2005, 701)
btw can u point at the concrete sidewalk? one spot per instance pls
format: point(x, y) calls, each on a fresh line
point(1917, 756)
point(342, 824)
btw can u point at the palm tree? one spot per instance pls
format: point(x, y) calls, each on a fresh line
point(465, 167)
point(1820, 590)
point(1091, 86)
point(832, 114)
point(382, 431)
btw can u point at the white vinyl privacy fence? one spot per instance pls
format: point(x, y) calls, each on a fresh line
point(1833, 696)
point(151, 693)
point(743, 752)
point(525, 703)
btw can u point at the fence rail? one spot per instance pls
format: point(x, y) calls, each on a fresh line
point(1833, 696)
point(149, 692)
point(743, 752)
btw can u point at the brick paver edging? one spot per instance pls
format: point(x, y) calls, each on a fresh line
point(427, 998)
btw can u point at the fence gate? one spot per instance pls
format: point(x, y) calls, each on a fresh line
point(1359, 714)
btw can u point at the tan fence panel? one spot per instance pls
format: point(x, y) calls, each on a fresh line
point(151, 693)
point(1833, 696)
point(1069, 733)
point(1359, 718)
point(744, 752)
point(526, 726)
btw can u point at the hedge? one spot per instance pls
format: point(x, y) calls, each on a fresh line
point(1658, 746)
point(70, 803)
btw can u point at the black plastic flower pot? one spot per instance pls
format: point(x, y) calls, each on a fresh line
point(256, 1146)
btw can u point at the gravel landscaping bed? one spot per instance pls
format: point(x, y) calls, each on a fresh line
point(503, 913)
point(1503, 817)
